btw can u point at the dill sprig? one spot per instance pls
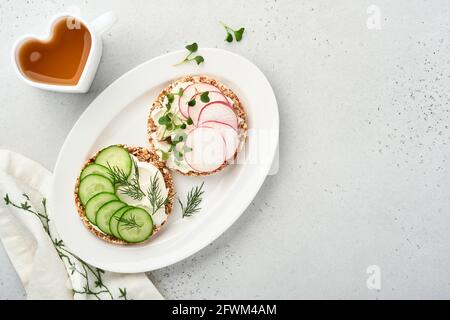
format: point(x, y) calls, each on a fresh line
point(127, 186)
point(194, 198)
point(128, 223)
point(157, 201)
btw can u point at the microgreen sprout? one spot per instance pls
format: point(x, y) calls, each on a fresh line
point(192, 48)
point(230, 32)
point(191, 102)
point(204, 97)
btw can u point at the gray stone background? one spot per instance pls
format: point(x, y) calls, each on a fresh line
point(364, 149)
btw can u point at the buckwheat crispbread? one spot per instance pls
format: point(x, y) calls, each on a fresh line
point(236, 105)
point(141, 154)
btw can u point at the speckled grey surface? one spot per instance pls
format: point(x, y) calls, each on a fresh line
point(364, 175)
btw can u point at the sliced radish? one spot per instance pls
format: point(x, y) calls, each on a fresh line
point(208, 150)
point(218, 111)
point(228, 133)
point(189, 92)
point(214, 96)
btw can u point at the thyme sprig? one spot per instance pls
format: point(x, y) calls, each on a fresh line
point(194, 198)
point(73, 263)
point(127, 185)
point(123, 293)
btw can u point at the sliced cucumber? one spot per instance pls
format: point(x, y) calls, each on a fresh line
point(113, 223)
point(94, 168)
point(135, 225)
point(115, 157)
point(92, 185)
point(105, 213)
point(96, 202)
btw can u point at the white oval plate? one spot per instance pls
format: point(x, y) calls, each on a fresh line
point(119, 115)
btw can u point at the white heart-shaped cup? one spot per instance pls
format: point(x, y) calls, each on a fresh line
point(95, 28)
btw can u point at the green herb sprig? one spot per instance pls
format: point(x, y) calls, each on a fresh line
point(157, 201)
point(204, 97)
point(238, 34)
point(171, 97)
point(192, 102)
point(129, 187)
point(172, 122)
point(194, 198)
point(93, 284)
point(192, 48)
point(129, 223)
point(167, 119)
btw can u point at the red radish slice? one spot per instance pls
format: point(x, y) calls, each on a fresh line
point(208, 149)
point(218, 111)
point(228, 133)
point(214, 96)
point(189, 92)
point(184, 99)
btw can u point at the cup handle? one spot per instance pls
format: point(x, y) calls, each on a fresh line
point(104, 22)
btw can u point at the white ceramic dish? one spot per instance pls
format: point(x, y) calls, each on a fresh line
point(96, 29)
point(119, 115)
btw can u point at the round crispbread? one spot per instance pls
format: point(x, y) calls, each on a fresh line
point(141, 154)
point(237, 108)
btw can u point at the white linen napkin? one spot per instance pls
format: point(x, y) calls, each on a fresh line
point(45, 266)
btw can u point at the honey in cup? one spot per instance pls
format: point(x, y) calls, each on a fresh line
point(60, 60)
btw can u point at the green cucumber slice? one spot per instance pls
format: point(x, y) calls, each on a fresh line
point(94, 168)
point(96, 202)
point(140, 230)
point(115, 156)
point(114, 221)
point(92, 185)
point(105, 213)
